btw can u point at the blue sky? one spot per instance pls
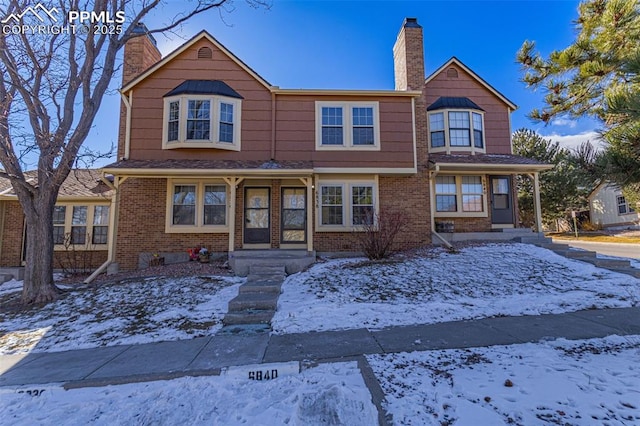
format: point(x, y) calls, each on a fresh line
point(348, 45)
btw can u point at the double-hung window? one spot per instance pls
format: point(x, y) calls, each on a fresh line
point(623, 206)
point(196, 206)
point(460, 196)
point(455, 130)
point(346, 205)
point(83, 226)
point(202, 121)
point(347, 125)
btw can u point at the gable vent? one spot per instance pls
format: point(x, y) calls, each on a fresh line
point(205, 53)
point(452, 73)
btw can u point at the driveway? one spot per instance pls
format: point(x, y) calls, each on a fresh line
point(608, 249)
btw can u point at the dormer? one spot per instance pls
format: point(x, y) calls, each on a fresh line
point(202, 114)
point(456, 124)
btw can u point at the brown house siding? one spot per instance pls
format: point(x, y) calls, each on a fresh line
point(496, 117)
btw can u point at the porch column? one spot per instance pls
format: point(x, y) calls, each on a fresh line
point(232, 182)
point(537, 209)
point(310, 226)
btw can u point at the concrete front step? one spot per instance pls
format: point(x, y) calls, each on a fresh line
point(266, 286)
point(553, 246)
point(248, 317)
point(609, 263)
point(267, 269)
point(292, 260)
point(580, 254)
point(634, 272)
point(252, 301)
point(535, 239)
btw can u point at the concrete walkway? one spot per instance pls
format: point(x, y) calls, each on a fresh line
point(208, 355)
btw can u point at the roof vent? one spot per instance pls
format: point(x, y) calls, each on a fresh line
point(452, 73)
point(205, 53)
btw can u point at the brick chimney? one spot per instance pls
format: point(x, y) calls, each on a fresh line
point(139, 53)
point(408, 56)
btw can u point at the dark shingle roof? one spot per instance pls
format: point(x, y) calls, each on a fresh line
point(212, 164)
point(204, 87)
point(453, 103)
point(79, 183)
point(491, 159)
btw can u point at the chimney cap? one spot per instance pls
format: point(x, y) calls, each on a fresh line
point(141, 28)
point(411, 23)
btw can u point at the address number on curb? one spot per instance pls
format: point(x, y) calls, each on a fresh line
point(260, 372)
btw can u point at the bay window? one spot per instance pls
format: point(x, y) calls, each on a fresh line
point(456, 130)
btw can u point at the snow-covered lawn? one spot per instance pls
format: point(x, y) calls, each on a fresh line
point(436, 286)
point(589, 382)
point(138, 311)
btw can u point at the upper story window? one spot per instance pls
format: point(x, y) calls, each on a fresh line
point(202, 114)
point(347, 125)
point(456, 124)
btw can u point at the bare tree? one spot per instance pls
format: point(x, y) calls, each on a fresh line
point(53, 81)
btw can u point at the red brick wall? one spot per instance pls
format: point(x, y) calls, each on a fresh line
point(13, 226)
point(141, 224)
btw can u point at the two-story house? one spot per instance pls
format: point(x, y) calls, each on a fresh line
point(212, 154)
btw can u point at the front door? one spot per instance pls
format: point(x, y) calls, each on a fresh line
point(294, 215)
point(501, 200)
point(257, 215)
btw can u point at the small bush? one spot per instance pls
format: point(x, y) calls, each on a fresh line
point(377, 236)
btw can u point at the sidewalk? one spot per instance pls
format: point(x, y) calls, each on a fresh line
point(208, 355)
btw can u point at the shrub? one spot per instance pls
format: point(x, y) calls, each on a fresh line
point(376, 237)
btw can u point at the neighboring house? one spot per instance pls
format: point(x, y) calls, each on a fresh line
point(80, 222)
point(608, 207)
point(212, 154)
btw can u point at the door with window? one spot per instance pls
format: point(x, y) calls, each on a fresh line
point(257, 215)
point(294, 216)
point(501, 200)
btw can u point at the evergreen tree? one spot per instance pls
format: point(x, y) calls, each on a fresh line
point(597, 76)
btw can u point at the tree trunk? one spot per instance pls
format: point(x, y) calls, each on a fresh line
point(38, 277)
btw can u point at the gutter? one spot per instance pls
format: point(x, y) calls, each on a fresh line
point(128, 101)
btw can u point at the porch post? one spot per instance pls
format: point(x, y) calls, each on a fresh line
point(536, 202)
point(310, 225)
point(232, 182)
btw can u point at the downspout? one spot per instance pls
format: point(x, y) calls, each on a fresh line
point(115, 202)
point(127, 132)
point(273, 125)
point(432, 206)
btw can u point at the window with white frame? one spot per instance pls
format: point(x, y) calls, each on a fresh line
point(83, 226)
point(347, 205)
point(460, 195)
point(456, 130)
point(347, 125)
point(196, 206)
point(623, 206)
point(202, 121)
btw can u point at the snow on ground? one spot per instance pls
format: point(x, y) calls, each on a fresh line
point(560, 382)
point(331, 394)
point(138, 311)
point(437, 286)
point(589, 382)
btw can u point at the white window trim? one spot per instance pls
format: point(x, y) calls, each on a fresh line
point(447, 148)
point(199, 226)
point(347, 203)
point(68, 217)
point(459, 212)
point(214, 125)
point(627, 207)
point(347, 126)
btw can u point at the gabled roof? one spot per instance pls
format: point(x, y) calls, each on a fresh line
point(201, 35)
point(204, 87)
point(456, 61)
point(445, 102)
point(81, 183)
